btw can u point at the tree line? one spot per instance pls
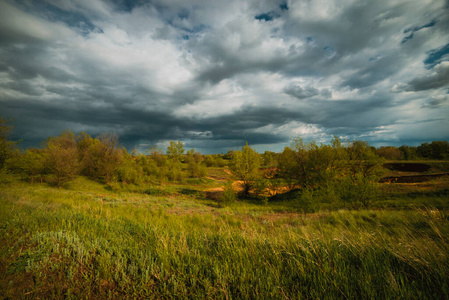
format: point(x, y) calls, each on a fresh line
point(339, 171)
point(62, 158)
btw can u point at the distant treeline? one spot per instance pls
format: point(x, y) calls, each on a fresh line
point(63, 157)
point(438, 150)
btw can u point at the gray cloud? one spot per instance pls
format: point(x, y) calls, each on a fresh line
point(435, 78)
point(436, 102)
point(439, 77)
point(301, 93)
point(217, 74)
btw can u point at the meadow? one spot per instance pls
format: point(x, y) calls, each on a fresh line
point(86, 239)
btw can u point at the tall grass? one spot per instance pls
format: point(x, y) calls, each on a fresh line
point(88, 242)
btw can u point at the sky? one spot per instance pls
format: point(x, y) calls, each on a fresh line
point(218, 74)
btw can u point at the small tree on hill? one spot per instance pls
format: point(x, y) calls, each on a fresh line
point(32, 163)
point(244, 166)
point(175, 150)
point(194, 164)
point(111, 155)
point(62, 157)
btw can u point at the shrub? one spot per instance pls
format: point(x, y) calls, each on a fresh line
point(229, 194)
point(259, 187)
point(245, 167)
point(358, 191)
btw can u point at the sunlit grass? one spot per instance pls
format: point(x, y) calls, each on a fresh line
point(88, 240)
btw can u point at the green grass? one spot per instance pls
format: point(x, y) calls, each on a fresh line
point(86, 240)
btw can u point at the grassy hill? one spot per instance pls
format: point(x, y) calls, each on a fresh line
point(89, 240)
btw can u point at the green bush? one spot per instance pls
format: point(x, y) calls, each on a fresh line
point(259, 187)
point(229, 194)
point(358, 191)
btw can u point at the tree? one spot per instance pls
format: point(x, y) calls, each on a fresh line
point(288, 167)
point(62, 157)
point(33, 163)
point(99, 157)
point(269, 158)
point(129, 171)
point(194, 164)
point(89, 153)
point(244, 166)
point(310, 165)
point(175, 150)
point(434, 150)
point(325, 163)
point(363, 160)
point(173, 166)
point(408, 153)
point(390, 152)
point(110, 155)
point(293, 163)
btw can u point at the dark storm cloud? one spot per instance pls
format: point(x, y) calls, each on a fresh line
point(132, 125)
point(374, 70)
point(440, 78)
point(436, 78)
point(219, 73)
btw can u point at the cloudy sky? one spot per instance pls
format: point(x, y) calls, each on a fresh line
point(215, 74)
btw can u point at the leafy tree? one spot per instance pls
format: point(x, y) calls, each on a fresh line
point(159, 161)
point(175, 150)
point(408, 153)
point(288, 167)
point(148, 165)
point(111, 155)
point(32, 163)
point(129, 171)
point(216, 160)
point(294, 164)
point(434, 150)
point(244, 166)
point(62, 157)
point(99, 157)
point(89, 152)
point(389, 152)
point(309, 165)
point(325, 163)
point(194, 164)
point(269, 158)
point(363, 160)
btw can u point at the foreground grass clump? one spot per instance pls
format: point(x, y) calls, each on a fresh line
point(85, 241)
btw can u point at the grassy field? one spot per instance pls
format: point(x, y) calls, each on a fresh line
point(88, 240)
